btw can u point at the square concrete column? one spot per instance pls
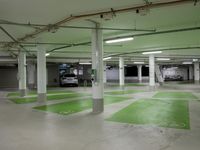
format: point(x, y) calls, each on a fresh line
point(151, 71)
point(41, 74)
point(121, 71)
point(139, 73)
point(191, 72)
point(31, 74)
point(104, 73)
point(97, 70)
point(196, 72)
point(22, 73)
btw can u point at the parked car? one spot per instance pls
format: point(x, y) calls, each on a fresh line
point(174, 78)
point(69, 79)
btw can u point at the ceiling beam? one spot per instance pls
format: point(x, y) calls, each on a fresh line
point(111, 11)
point(4, 22)
point(161, 49)
point(15, 40)
point(134, 35)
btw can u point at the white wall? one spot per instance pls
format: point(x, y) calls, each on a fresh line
point(112, 74)
point(182, 71)
point(8, 77)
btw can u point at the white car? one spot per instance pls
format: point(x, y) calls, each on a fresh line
point(69, 79)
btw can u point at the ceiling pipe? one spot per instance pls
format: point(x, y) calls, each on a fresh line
point(35, 43)
point(128, 9)
point(76, 27)
point(44, 43)
point(11, 37)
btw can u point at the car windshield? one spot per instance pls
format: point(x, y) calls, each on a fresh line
point(69, 75)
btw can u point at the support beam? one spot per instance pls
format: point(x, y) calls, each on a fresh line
point(31, 74)
point(121, 71)
point(158, 74)
point(139, 73)
point(151, 71)
point(104, 73)
point(97, 70)
point(41, 74)
point(191, 72)
point(196, 72)
point(22, 73)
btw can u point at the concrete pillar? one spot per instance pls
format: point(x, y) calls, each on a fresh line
point(196, 71)
point(191, 73)
point(41, 74)
point(104, 72)
point(139, 73)
point(47, 76)
point(97, 70)
point(31, 74)
point(121, 71)
point(22, 73)
point(151, 71)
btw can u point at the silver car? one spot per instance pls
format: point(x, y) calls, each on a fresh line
point(69, 79)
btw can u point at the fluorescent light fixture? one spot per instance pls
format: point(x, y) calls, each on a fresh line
point(47, 54)
point(194, 60)
point(85, 63)
point(187, 63)
point(174, 67)
point(163, 59)
point(107, 58)
point(152, 52)
point(119, 40)
point(138, 62)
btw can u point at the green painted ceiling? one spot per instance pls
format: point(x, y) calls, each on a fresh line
point(51, 11)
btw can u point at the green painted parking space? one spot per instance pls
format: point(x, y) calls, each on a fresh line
point(71, 107)
point(163, 113)
point(123, 92)
point(134, 84)
point(16, 94)
point(175, 95)
point(57, 96)
point(33, 92)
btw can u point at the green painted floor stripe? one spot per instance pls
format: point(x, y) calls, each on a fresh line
point(66, 96)
point(32, 93)
point(67, 108)
point(135, 84)
point(123, 92)
point(175, 95)
point(163, 113)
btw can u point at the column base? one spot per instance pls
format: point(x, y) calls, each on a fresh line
point(152, 88)
point(98, 106)
point(196, 81)
point(22, 92)
point(42, 97)
point(122, 87)
point(31, 86)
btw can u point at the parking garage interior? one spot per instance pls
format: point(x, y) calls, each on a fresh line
point(99, 75)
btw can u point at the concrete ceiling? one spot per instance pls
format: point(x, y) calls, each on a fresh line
point(43, 12)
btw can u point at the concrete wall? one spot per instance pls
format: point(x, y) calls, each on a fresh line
point(52, 75)
point(174, 71)
point(8, 77)
point(112, 75)
point(86, 72)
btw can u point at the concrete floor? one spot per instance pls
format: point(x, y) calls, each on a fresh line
point(22, 128)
